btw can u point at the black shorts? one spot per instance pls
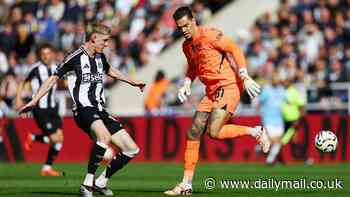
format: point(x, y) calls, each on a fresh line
point(288, 124)
point(85, 116)
point(47, 120)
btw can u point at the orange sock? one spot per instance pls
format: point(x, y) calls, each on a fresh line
point(232, 131)
point(191, 159)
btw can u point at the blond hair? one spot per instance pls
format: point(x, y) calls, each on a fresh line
point(97, 28)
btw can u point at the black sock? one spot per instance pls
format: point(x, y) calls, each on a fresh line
point(53, 152)
point(95, 158)
point(116, 164)
point(40, 138)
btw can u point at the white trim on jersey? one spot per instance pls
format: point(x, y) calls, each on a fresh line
point(99, 86)
point(53, 95)
point(43, 75)
point(84, 87)
point(35, 85)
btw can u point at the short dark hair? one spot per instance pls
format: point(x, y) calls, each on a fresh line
point(181, 12)
point(43, 46)
point(97, 28)
point(159, 76)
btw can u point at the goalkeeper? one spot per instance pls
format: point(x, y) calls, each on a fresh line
point(221, 67)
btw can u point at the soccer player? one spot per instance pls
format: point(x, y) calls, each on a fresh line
point(271, 100)
point(220, 65)
point(85, 69)
point(46, 111)
point(293, 110)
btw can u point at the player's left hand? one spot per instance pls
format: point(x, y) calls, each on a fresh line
point(252, 88)
point(141, 85)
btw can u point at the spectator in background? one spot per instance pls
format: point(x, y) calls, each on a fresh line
point(68, 36)
point(32, 22)
point(16, 16)
point(156, 93)
point(48, 29)
point(202, 13)
point(40, 8)
point(56, 10)
point(337, 73)
point(346, 61)
point(139, 35)
point(311, 40)
point(4, 66)
point(4, 11)
point(73, 12)
point(7, 38)
point(8, 88)
point(24, 42)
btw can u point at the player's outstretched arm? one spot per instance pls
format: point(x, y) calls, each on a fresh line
point(237, 61)
point(47, 85)
point(252, 88)
point(119, 76)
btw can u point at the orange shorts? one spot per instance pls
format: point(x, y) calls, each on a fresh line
point(226, 97)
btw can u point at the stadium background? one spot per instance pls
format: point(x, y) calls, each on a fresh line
point(304, 39)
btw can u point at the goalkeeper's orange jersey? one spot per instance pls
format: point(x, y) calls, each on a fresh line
point(206, 57)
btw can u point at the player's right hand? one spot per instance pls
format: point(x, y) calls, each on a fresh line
point(185, 90)
point(140, 84)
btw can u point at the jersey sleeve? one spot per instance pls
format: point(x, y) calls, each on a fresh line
point(225, 44)
point(105, 63)
point(190, 73)
point(32, 74)
point(64, 67)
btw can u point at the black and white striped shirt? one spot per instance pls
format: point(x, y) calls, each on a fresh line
point(85, 76)
point(38, 74)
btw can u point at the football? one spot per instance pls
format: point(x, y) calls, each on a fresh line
point(326, 141)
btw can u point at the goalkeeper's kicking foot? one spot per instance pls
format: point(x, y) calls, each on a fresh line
point(86, 191)
point(103, 190)
point(179, 189)
point(263, 138)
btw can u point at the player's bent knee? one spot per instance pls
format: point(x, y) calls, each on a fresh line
point(132, 152)
point(105, 138)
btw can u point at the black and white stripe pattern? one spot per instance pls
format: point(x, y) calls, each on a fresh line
point(38, 74)
point(85, 78)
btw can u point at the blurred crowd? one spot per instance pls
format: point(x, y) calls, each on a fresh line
point(306, 41)
point(141, 29)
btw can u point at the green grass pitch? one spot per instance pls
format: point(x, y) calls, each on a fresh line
point(150, 179)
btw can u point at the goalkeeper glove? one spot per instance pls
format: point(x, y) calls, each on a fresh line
point(252, 88)
point(185, 90)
